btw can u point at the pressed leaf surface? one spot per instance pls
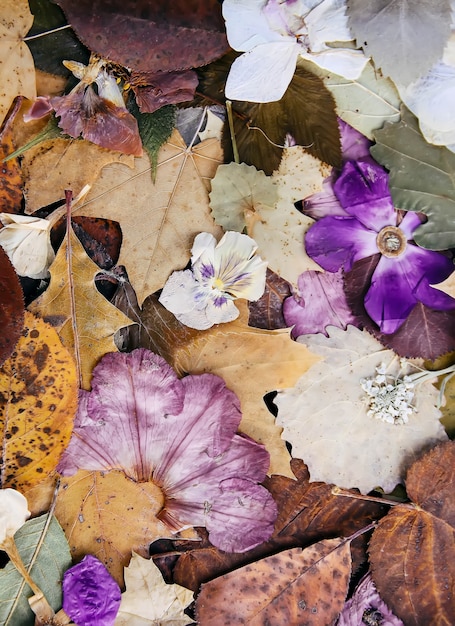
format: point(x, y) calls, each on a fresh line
point(11, 307)
point(296, 586)
point(38, 400)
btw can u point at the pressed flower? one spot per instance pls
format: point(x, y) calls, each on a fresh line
point(365, 223)
point(220, 273)
point(181, 435)
point(101, 118)
point(13, 513)
point(273, 34)
point(91, 597)
point(367, 607)
point(26, 241)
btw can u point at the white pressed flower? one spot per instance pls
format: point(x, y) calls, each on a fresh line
point(13, 513)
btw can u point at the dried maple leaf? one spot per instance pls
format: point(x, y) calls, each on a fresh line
point(325, 417)
point(17, 69)
point(159, 221)
point(412, 551)
point(38, 400)
point(85, 320)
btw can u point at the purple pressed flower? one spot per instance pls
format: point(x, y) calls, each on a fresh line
point(181, 435)
point(364, 222)
point(91, 597)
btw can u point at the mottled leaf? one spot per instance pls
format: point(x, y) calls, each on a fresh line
point(11, 180)
point(11, 307)
point(421, 179)
point(184, 34)
point(38, 400)
point(306, 586)
point(392, 32)
point(267, 312)
point(366, 606)
point(155, 129)
point(45, 551)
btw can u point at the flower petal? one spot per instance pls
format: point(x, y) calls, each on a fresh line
point(263, 73)
point(324, 202)
point(354, 145)
point(246, 24)
point(13, 512)
point(341, 61)
point(327, 22)
point(409, 223)
point(335, 242)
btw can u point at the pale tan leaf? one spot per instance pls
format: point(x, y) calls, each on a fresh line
point(159, 221)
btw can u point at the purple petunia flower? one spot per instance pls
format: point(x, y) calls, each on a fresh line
point(364, 222)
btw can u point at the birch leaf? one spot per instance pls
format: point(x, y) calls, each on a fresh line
point(148, 600)
point(159, 221)
point(325, 415)
point(84, 319)
point(366, 103)
point(17, 70)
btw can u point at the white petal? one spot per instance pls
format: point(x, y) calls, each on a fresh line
point(220, 314)
point(178, 292)
point(327, 22)
point(342, 61)
point(264, 73)
point(246, 25)
point(13, 512)
point(26, 241)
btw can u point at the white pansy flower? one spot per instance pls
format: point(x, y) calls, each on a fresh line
point(26, 241)
point(273, 33)
point(220, 273)
point(13, 513)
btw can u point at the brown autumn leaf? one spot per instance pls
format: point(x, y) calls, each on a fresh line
point(11, 307)
point(84, 319)
point(109, 515)
point(38, 401)
point(158, 221)
point(59, 164)
point(11, 174)
point(412, 551)
point(17, 69)
point(267, 312)
point(293, 587)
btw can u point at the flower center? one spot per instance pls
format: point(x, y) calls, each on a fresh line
point(218, 284)
point(391, 241)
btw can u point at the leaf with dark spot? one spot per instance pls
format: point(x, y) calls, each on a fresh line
point(11, 307)
point(267, 311)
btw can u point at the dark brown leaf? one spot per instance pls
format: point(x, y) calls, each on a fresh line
point(157, 36)
point(154, 90)
point(426, 333)
point(11, 307)
point(267, 311)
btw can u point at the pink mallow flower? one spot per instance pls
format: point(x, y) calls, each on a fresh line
point(181, 435)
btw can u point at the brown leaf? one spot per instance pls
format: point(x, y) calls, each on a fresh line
point(293, 587)
point(185, 33)
point(11, 173)
point(11, 307)
point(267, 311)
point(38, 401)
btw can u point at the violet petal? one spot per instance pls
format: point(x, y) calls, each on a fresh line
point(324, 202)
point(354, 145)
point(363, 190)
point(335, 242)
point(91, 597)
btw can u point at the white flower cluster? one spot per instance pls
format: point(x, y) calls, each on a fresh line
point(389, 397)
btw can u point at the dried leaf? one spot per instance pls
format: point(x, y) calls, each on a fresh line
point(392, 33)
point(148, 600)
point(329, 399)
point(159, 222)
point(367, 603)
point(402, 149)
point(11, 174)
point(307, 586)
point(85, 320)
point(17, 70)
point(38, 401)
point(155, 129)
point(267, 312)
point(184, 34)
point(11, 307)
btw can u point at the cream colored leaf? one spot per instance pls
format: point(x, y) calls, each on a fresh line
point(148, 600)
point(448, 286)
point(17, 69)
point(325, 419)
point(59, 164)
point(159, 221)
point(84, 319)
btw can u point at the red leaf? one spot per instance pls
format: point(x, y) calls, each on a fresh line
point(11, 307)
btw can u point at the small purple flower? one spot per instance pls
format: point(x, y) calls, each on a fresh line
point(364, 222)
point(91, 597)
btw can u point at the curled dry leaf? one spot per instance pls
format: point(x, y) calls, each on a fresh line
point(325, 416)
point(298, 586)
point(38, 401)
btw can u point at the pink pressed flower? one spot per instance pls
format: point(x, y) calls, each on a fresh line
point(180, 434)
point(367, 603)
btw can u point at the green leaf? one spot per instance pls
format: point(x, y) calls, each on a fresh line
point(50, 50)
point(404, 37)
point(422, 178)
point(50, 554)
point(155, 129)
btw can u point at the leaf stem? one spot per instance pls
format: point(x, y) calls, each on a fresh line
point(47, 32)
point(338, 491)
point(232, 131)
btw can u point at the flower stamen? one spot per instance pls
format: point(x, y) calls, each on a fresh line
point(391, 241)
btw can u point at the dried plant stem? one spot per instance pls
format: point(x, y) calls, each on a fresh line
point(47, 32)
point(232, 131)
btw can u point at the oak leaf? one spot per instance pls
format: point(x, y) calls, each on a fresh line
point(304, 586)
point(38, 400)
point(84, 319)
point(159, 221)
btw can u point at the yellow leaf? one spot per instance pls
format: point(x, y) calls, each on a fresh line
point(85, 320)
point(159, 221)
point(109, 515)
point(59, 164)
point(38, 401)
point(17, 69)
